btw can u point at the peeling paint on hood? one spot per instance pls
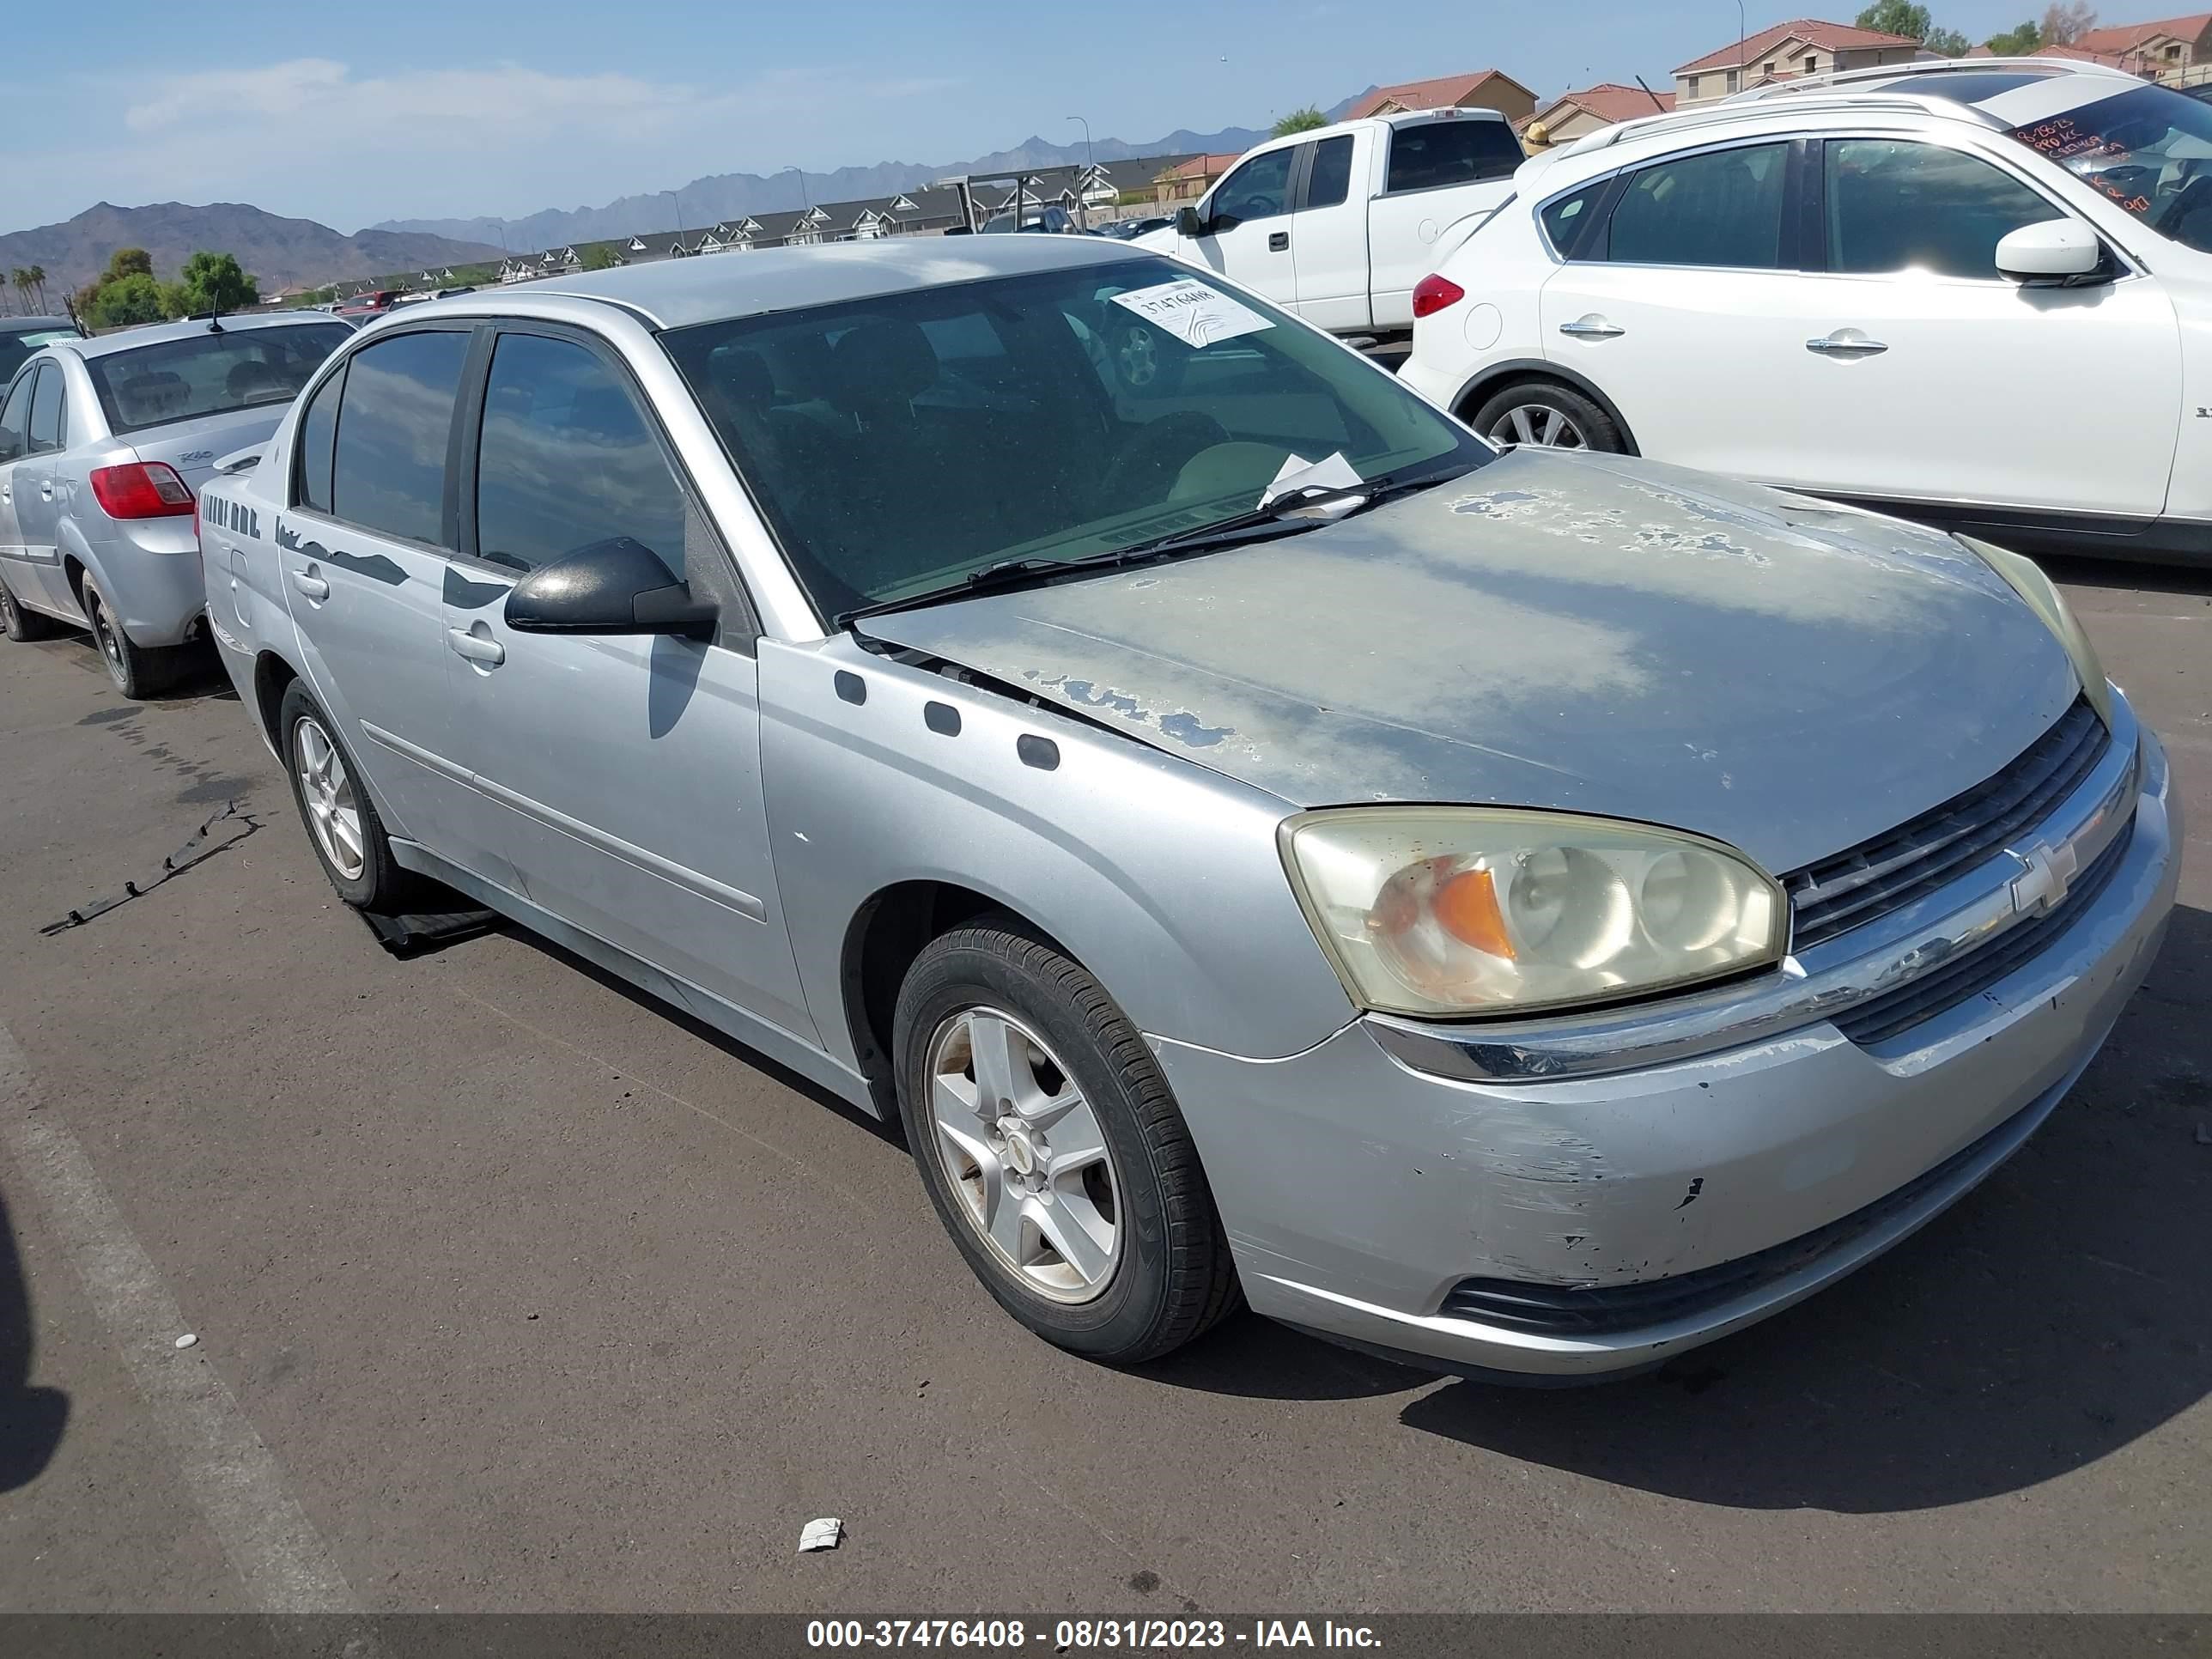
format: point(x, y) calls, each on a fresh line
point(1589, 633)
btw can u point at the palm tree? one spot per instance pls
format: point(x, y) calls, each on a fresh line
point(38, 275)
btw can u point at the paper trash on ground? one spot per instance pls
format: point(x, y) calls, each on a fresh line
point(1332, 472)
point(823, 1534)
point(1196, 314)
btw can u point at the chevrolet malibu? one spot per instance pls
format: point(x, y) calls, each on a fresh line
point(1530, 912)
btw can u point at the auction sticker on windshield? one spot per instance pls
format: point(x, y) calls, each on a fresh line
point(1195, 313)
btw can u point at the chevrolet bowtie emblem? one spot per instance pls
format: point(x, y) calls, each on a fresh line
point(2047, 872)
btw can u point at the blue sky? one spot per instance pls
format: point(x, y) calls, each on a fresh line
point(354, 113)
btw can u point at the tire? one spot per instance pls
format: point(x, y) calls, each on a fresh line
point(1551, 416)
point(1124, 1155)
point(370, 879)
point(138, 671)
point(19, 623)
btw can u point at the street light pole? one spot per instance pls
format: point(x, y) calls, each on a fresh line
point(1742, 33)
point(678, 200)
point(1082, 200)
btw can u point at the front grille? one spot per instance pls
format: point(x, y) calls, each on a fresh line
point(1892, 869)
point(1597, 1310)
point(1894, 1012)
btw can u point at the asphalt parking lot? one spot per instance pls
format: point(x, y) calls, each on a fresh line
point(514, 1291)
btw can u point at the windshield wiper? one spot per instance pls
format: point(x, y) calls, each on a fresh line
point(1276, 518)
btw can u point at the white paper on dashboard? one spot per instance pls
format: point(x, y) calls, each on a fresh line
point(1193, 312)
point(1331, 472)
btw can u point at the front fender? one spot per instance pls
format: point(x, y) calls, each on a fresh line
point(1160, 876)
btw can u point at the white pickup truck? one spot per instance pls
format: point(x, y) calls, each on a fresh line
point(1339, 223)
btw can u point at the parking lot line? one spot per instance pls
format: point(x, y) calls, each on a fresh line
point(229, 1471)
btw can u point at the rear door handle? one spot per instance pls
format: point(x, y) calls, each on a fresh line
point(309, 586)
point(1278, 241)
point(475, 647)
point(1846, 342)
point(45, 491)
point(1592, 328)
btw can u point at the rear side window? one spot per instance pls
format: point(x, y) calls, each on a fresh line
point(210, 374)
point(16, 417)
point(1723, 207)
point(1330, 179)
point(567, 459)
point(1892, 205)
point(1567, 220)
point(319, 431)
point(47, 409)
point(395, 417)
point(1450, 152)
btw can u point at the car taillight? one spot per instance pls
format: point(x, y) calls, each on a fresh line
point(142, 489)
point(1433, 294)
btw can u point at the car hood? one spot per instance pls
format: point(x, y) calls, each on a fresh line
point(1594, 634)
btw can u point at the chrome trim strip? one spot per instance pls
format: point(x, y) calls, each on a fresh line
point(1838, 974)
point(731, 898)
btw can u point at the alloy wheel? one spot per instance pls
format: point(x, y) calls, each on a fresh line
point(1023, 1151)
point(327, 793)
point(1538, 425)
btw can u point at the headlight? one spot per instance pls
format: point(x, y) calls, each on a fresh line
point(2027, 579)
point(1473, 911)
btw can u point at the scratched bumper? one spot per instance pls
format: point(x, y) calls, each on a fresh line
point(1358, 1192)
point(152, 570)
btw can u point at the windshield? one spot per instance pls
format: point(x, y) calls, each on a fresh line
point(901, 443)
point(2150, 151)
point(210, 374)
point(15, 348)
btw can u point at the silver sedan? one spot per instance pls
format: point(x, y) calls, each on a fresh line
point(1531, 912)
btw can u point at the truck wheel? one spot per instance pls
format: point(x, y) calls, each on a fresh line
point(19, 623)
point(1545, 415)
point(1053, 1150)
point(138, 671)
point(342, 821)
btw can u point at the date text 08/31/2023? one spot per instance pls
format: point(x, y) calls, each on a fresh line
point(1066, 1635)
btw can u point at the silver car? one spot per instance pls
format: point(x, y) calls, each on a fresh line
point(102, 444)
point(1532, 912)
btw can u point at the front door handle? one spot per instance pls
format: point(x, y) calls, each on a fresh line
point(1846, 342)
point(309, 586)
point(1278, 241)
point(477, 647)
point(1592, 328)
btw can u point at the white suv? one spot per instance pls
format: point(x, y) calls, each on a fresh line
point(1977, 293)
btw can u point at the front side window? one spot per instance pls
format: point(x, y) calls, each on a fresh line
point(2148, 150)
point(210, 374)
point(395, 421)
point(1450, 152)
point(900, 443)
point(46, 433)
point(1722, 208)
point(1261, 188)
point(1329, 181)
point(1895, 205)
point(566, 460)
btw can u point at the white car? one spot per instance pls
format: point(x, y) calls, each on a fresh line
point(1339, 223)
point(1975, 292)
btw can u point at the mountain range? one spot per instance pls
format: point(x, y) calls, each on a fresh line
point(720, 196)
point(279, 252)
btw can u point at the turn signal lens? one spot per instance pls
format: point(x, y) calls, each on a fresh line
point(142, 490)
point(1466, 910)
point(1433, 294)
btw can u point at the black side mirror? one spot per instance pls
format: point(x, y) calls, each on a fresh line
point(613, 587)
point(1188, 223)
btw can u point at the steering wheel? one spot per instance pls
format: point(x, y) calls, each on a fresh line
point(1158, 451)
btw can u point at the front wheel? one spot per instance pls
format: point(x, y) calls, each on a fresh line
point(1545, 415)
point(1053, 1150)
point(19, 623)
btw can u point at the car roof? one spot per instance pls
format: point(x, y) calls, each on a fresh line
point(716, 287)
point(129, 339)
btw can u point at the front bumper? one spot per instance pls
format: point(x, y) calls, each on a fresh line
point(1360, 1192)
